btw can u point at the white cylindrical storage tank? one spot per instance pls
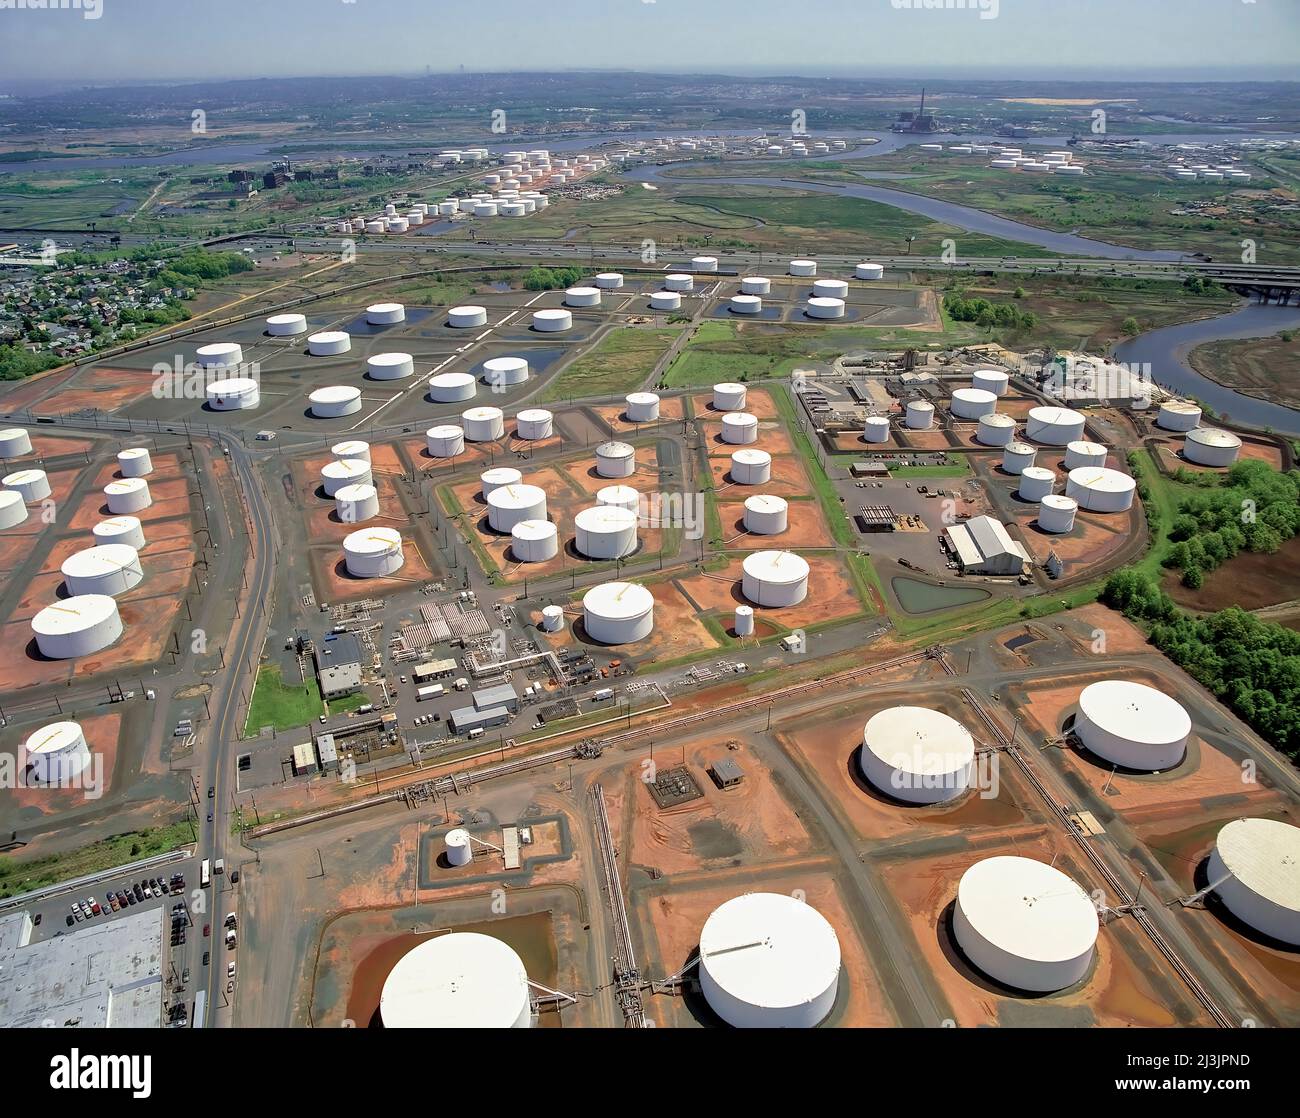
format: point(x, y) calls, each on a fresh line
point(751, 466)
point(534, 541)
point(462, 980)
point(120, 529)
point(375, 226)
point(1255, 870)
point(869, 271)
point(329, 343)
point(445, 441)
point(756, 285)
point(373, 552)
point(582, 297)
point(990, 380)
point(1054, 426)
point(642, 407)
point(745, 304)
point(1100, 490)
point(483, 424)
point(355, 504)
point(128, 495)
point(57, 754)
point(385, 314)
point(996, 429)
point(1056, 513)
point(502, 372)
point(15, 442)
point(351, 448)
point(618, 612)
point(220, 355)
point(449, 207)
point(775, 578)
point(1178, 415)
point(704, 264)
point(31, 485)
point(605, 532)
point(552, 321)
point(875, 429)
point(459, 850)
point(972, 403)
point(825, 308)
point(831, 289)
point(679, 281)
point(1018, 457)
point(552, 619)
point(509, 504)
point(739, 427)
point(534, 423)
point(1035, 483)
point(1132, 725)
point(390, 366)
point(134, 462)
point(112, 569)
point(1208, 446)
point(917, 755)
point(766, 515)
point(728, 397)
point(346, 471)
point(450, 388)
point(769, 961)
point(619, 497)
point(77, 626)
point(511, 209)
point(615, 459)
point(493, 479)
point(1025, 924)
point(803, 267)
point(335, 400)
point(235, 394)
point(609, 281)
point(390, 210)
point(467, 317)
point(919, 415)
point(743, 625)
point(1081, 453)
point(13, 509)
point(665, 301)
point(485, 209)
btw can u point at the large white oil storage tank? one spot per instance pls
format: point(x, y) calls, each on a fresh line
point(990, 380)
point(390, 366)
point(462, 980)
point(1209, 446)
point(111, 568)
point(678, 282)
point(77, 626)
point(467, 317)
point(728, 397)
point(1056, 513)
point(1035, 483)
point(1255, 870)
point(1081, 453)
point(1025, 924)
point(803, 267)
point(509, 504)
point(618, 612)
point(605, 532)
point(867, 271)
point(1132, 725)
point(553, 320)
point(704, 264)
point(355, 504)
point(830, 289)
point(1178, 415)
point(1054, 426)
point(766, 515)
point(534, 423)
point(286, 325)
point(751, 466)
point(120, 529)
point(875, 429)
point(745, 304)
point(609, 281)
point(1100, 489)
point(220, 355)
point(819, 307)
point(642, 407)
point(769, 961)
point(774, 578)
point(134, 462)
point(450, 388)
point(582, 297)
point(502, 372)
point(972, 403)
point(15, 442)
point(128, 495)
point(385, 314)
point(917, 755)
point(619, 496)
point(739, 428)
point(615, 459)
point(351, 448)
point(373, 552)
point(329, 343)
point(665, 301)
point(1017, 457)
point(31, 485)
point(57, 754)
point(996, 429)
point(234, 394)
point(13, 509)
point(755, 285)
point(335, 400)
point(919, 415)
point(445, 441)
point(344, 471)
point(483, 424)
point(534, 541)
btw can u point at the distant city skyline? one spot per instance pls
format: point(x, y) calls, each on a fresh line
point(1111, 40)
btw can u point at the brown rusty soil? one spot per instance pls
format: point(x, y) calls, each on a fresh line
point(788, 477)
point(102, 736)
point(670, 410)
point(758, 403)
point(830, 594)
point(1249, 580)
point(805, 527)
point(1093, 541)
point(103, 388)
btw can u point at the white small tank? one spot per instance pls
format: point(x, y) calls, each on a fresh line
point(57, 754)
point(825, 308)
point(605, 532)
point(803, 267)
point(552, 619)
point(1208, 446)
point(355, 504)
point(329, 343)
point(919, 415)
point(1035, 483)
point(972, 403)
point(13, 509)
point(642, 407)
point(1255, 870)
point(15, 442)
point(679, 281)
point(346, 471)
point(459, 850)
point(373, 552)
point(505, 372)
point(390, 366)
point(286, 325)
point(128, 495)
point(493, 479)
point(31, 485)
point(1055, 426)
point(110, 569)
point(1082, 453)
point(509, 504)
point(665, 301)
point(467, 317)
point(991, 380)
point(334, 401)
point(120, 529)
point(620, 497)
point(135, 461)
point(534, 423)
point(743, 625)
point(483, 424)
point(1056, 513)
point(831, 289)
point(582, 297)
point(704, 264)
point(766, 515)
point(77, 626)
point(235, 394)
point(615, 459)
point(351, 448)
point(729, 397)
point(751, 466)
point(739, 428)
point(220, 355)
point(869, 271)
point(385, 314)
point(775, 579)
point(1017, 457)
point(875, 429)
point(755, 285)
point(534, 541)
point(995, 429)
point(745, 304)
point(445, 441)
point(609, 281)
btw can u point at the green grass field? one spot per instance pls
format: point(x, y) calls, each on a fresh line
point(22, 876)
point(284, 706)
point(619, 364)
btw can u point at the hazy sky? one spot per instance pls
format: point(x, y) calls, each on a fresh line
point(1118, 39)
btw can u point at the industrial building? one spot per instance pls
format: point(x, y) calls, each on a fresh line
point(338, 666)
point(501, 695)
point(982, 546)
point(464, 719)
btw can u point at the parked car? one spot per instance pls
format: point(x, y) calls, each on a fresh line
point(207, 930)
point(68, 918)
point(230, 969)
point(206, 956)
